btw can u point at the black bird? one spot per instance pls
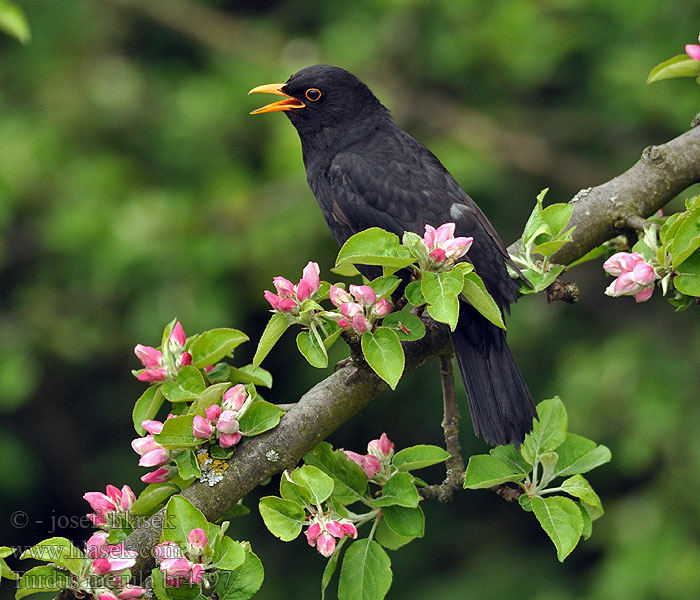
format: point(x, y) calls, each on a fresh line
point(367, 172)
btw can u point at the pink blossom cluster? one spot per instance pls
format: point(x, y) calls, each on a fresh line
point(154, 454)
point(693, 50)
point(360, 310)
point(634, 276)
point(110, 506)
point(109, 562)
point(180, 567)
point(221, 422)
point(155, 363)
point(443, 246)
point(322, 533)
point(379, 454)
point(290, 296)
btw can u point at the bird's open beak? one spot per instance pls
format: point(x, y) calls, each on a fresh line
point(288, 103)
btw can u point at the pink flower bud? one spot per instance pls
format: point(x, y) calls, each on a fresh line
point(177, 335)
point(693, 50)
point(152, 426)
point(100, 502)
point(185, 359)
point(643, 273)
point(128, 498)
point(349, 528)
point(227, 423)
point(303, 290)
point(201, 428)
point(160, 475)
point(106, 594)
point(196, 574)
point(175, 567)
point(312, 533)
point(361, 324)
point(166, 550)
point(625, 285)
point(155, 458)
point(130, 591)
point(149, 356)
point(197, 539)
point(101, 566)
point(444, 233)
point(382, 448)
point(339, 296)
point(325, 544)
point(382, 308)
point(350, 309)
point(208, 368)
point(97, 519)
point(370, 464)
point(364, 294)
point(284, 287)
point(621, 262)
point(430, 236)
point(213, 412)
point(311, 275)
point(235, 397)
point(645, 294)
point(438, 255)
point(126, 560)
point(144, 444)
point(229, 439)
point(344, 323)
point(335, 529)
point(457, 247)
point(95, 544)
point(153, 375)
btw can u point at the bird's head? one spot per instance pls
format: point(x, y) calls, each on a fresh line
point(319, 101)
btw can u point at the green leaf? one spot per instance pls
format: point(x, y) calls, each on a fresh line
point(289, 490)
point(414, 294)
point(579, 487)
point(251, 374)
point(548, 431)
point(42, 579)
point(13, 21)
point(405, 521)
point(587, 522)
point(475, 293)
point(540, 281)
point(181, 517)
point(485, 471)
point(399, 490)
point(187, 465)
point(276, 326)
point(687, 284)
point(366, 572)
point(316, 481)
point(686, 239)
point(511, 457)
point(283, 518)
point(557, 218)
point(59, 551)
point(147, 407)
point(419, 457)
point(349, 481)
point(211, 346)
point(407, 325)
point(228, 555)
point(313, 351)
point(177, 433)
point(346, 270)
point(579, 455)
point(561, 520)
point(211, 395)
point(389, 538)
point(385, 286)
point(678, 66)
point(374, 246)
point(383, 352)
point(6, 551)
point(188, 385)
point(441, 292)
point(261, 416)
point(243, 582)
point(152, 498)
point(163, 591)
point(5, 571)
point(237, 510)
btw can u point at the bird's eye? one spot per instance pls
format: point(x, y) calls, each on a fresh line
point(313, 94)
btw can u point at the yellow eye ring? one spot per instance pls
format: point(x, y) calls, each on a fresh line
point(313, 94)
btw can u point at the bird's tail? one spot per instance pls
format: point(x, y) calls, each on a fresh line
point(499, 402)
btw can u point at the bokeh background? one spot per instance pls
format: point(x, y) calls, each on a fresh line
point(134, 187)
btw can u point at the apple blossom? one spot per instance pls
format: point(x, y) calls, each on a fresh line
point(635, 276)
point(201, 428)
point(160, 475)
point(196, 540)
point(289, 295)
point(693, 50)
point(442, 246)
point(382, 448)
point(235, 397)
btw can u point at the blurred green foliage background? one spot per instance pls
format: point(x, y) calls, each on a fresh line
point(134, 187)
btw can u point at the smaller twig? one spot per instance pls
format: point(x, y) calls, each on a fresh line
point(636, 222)
point(506, 492)
point(450, 426)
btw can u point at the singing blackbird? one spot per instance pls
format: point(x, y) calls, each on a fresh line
point(367, 172)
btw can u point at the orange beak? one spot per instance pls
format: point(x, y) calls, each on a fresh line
point(288, 103)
